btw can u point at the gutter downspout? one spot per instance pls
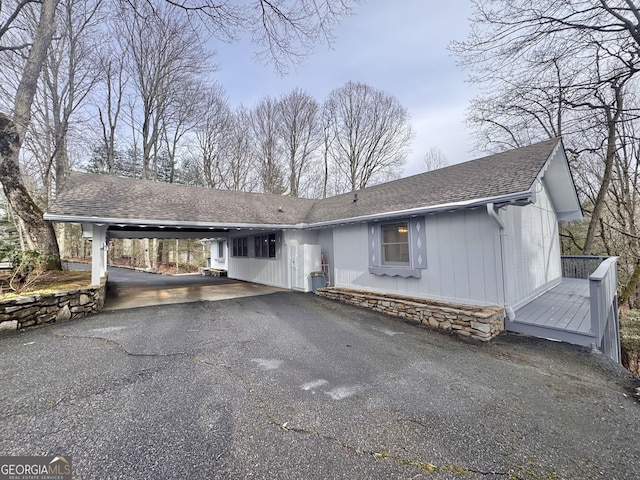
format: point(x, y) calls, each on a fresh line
point(493, 213)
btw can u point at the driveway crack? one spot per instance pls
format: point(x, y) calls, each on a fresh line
point(425, 467)
point(122, 348)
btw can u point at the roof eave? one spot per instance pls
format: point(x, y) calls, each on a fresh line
point(526, 195)
point(140, 222)
point(571, 210)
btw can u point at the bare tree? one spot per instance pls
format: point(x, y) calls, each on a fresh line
point(213, 138)
point(285, 31)
point(239, 172)
point(12, 25)
point(299, 130)
point(181, 117)
point(164, 52)
point(506, 29)
point(619, 231)
point(556, 68)
point(39, 234)
point(328, 137)
point(112, 85)
point(434, 159)
point(68, 76)
point(269, 152)
point(371, 134)
point(222, 154)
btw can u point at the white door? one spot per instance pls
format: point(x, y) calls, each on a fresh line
point(294, 281)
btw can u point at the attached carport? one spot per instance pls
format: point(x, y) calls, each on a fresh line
point(130, 289)
point(100, 233)
point(110, 207)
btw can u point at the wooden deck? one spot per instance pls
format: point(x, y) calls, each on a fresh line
point(563, 313)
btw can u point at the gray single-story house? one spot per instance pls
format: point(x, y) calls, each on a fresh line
point(481, 233)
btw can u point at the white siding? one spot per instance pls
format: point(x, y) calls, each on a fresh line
point(281, 271)
point(324, 238)
point(268, 271)
point(463, 257)
point(463, 260)
point(216, 260)
point(532, 250)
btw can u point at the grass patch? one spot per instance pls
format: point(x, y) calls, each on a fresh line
point(630, 328)
point(53, 281)
point(630, 340)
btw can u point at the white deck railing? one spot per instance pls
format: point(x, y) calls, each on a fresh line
point(580, 266)
point(603, 285)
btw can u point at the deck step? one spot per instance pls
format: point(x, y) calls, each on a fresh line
point(551, 333)
point(214, 272)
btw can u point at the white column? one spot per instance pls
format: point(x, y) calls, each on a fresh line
point(105, 250)
point(98, 253)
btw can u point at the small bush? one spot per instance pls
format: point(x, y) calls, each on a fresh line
point(190, 267)
point(27, 266)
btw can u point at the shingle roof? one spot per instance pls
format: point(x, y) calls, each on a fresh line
point(496, 175)
point(109, 197)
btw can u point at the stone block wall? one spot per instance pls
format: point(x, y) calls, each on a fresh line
point(481, 323)
point(37, 309)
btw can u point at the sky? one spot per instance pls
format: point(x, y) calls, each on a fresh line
point(399, 47)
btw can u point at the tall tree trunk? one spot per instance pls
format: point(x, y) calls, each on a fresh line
point(61, 160)
point(39, 234)
point(147, 254)
point(596, 213)
point(177, 256)
point(632, 285)
point(154, 254)
point(610, 156)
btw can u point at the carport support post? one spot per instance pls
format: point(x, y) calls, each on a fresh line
point(98, 253)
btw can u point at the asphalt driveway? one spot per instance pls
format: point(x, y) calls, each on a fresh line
point(291, 386)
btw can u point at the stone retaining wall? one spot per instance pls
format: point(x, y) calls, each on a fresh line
point(481, 323)
point(30, 310)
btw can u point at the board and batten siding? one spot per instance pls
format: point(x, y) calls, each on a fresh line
point(279, 271)
point(267, 271)
point(463, 260)
point(324, 238)
point(532, 249)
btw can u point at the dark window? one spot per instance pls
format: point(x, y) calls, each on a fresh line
point(239, 247)
point(265, 246)
point(395, 244)
point(220, 249)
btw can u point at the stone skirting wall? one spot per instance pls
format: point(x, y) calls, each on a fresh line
point(37, 309)
point(481, 323)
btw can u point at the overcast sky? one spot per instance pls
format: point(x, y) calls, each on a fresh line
point(399, 47)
